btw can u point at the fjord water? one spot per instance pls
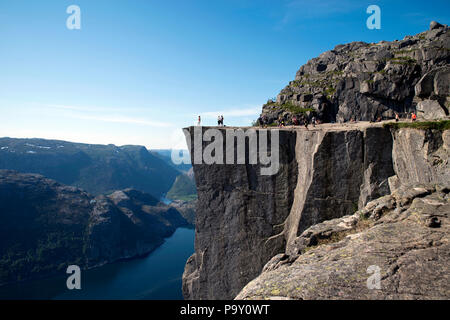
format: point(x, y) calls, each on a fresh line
point(156, 276)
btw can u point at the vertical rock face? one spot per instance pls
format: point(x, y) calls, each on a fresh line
point(244, 219)
point(238, 212)
point(421, 157)
point(339, 171)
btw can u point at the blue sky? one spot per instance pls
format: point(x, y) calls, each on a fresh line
point(138, 70)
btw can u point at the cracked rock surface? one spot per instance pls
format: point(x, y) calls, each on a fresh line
point(404, 234)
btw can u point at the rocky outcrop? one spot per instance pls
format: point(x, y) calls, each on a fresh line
point(244, 219)
point(404, 237)
point(430, 110)
point(339, 171)
point(46, 226)
point(367, 81)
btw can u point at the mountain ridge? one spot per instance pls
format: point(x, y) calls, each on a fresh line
point(96, 168)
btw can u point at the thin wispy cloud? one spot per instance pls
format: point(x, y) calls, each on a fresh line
point(93, 113)
point(85, 108)
point(122, 119)
point(75, 108)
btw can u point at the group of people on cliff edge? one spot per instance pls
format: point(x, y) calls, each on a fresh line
point(296, 121)
point(219, 121)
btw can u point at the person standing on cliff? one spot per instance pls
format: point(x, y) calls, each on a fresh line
point(199, 121)
point(221, 120)
point(413, 117)
point(397, 118)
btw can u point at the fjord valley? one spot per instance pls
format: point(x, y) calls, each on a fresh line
point(64, 203)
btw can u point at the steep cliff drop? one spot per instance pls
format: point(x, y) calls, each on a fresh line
point(244, 219)
point(240, 210)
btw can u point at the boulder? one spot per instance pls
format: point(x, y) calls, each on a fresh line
point(435, 25)
point(434, 83)
point(430, 110)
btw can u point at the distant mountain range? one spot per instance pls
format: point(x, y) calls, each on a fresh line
point(97, 169)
